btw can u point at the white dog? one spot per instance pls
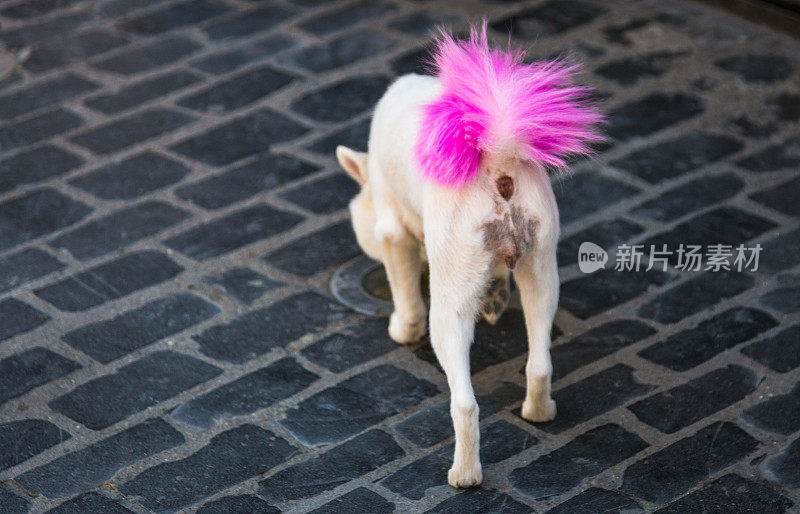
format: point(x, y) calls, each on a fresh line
point(455, 172)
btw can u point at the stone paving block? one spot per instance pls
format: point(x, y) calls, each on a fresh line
point(351, 346)
point(324, 196)
point(586, 455)
point(744, 126)
point(266, 172)
point(433, 425)
point(773, 158)
point(779, 414)
point(244, 284)
point(689, 197)
point(26, 370)
point(108, 340)
point(502, 440)
point(412, 62)
point(605, 234)
point(344, 17)
point(692, 296)
point(22, 219)
point(43, 94)
point(106, 400)
point(303, 257)
point(21, 440)
point(780, 252)
point(246, 136)
point(780, 197)
point(131, 130)
point(784, 299)
point(12, 503)
point(228, 459)
point(757, 67)
point(232, 232)
point(131, 177)
point(33, 8)
point(18, 317)
point(337, 466)
point(590, 295)
point(652, 113)
point(252, 392)
point(174, 16)
point(31, 33)
point(340, 51)
point(61, 51)
point(41, 163)
point(90, 502)
point(342, 100)
point(147, 56)
point(423, 23)
point(731, 493)
point(354, 136)
point(678, 156)
point(681, 406)
point(256, 332)
point(97, 463)
point(40, 127)
point(594, 500)
point(689, 348)
point(480, 500)
point(786, 106)
point(595, 344)
point(669, 472)
point(110, 281)
point(357, 500)
point(585, 193)
point(549, 18)
point(784, 467)
point(236, 92)
point(244, 504)
point(780, 352)
point(142, 91)
point(629, 70)
point(249, 22)
point(355, 404)
point(592, 396)
point(230, 59)
point(119, 229)
point(413, 480)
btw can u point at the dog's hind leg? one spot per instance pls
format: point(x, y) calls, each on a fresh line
point(537, 279)
point(495, 301)
point(401, 257)
point(459, 271)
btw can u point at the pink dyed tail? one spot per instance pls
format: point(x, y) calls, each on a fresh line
point(491, 100)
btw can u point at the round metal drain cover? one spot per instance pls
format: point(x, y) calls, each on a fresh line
point(361, 284)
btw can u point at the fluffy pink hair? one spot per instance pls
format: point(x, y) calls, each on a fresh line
point(492, 101)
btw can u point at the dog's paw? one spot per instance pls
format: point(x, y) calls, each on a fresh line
point(539, 412)
point(462, 477)
point(403, 332)
point(496, 300)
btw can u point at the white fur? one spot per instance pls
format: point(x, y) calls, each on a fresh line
point(400, 219)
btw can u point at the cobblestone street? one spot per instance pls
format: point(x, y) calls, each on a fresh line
point(171, 216)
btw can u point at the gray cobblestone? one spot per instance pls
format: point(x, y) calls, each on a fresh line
point(171, 215)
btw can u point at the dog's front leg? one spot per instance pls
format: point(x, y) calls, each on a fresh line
point(401, 259)
point(537, 279)
point(457, 281)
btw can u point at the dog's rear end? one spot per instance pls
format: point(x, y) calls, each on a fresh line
point(455, 167)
